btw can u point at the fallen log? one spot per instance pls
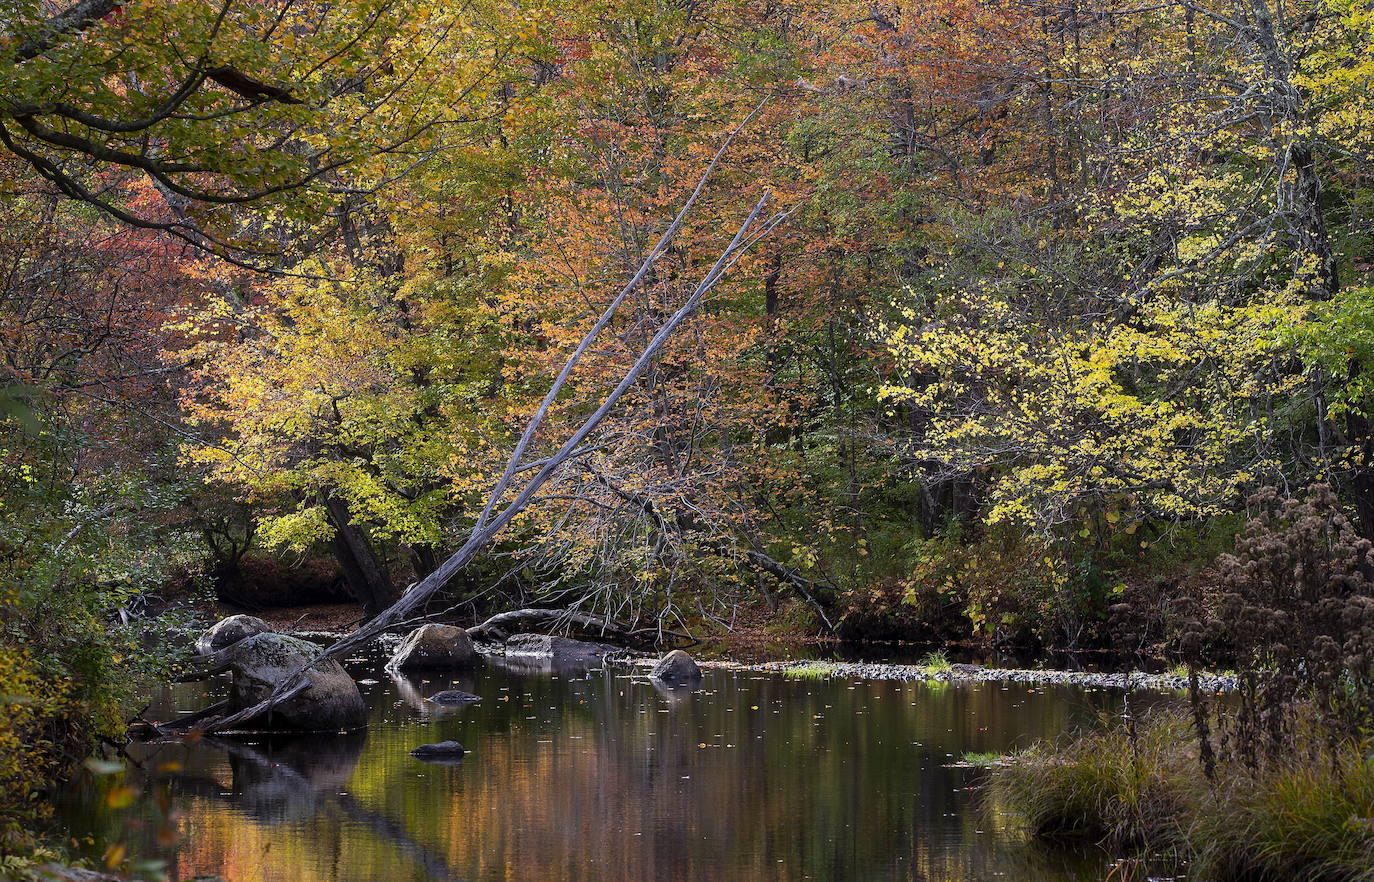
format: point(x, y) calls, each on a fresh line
point(502, 625)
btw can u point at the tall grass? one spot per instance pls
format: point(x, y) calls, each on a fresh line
point(1305, 820)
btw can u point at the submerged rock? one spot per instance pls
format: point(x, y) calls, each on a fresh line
point(559, 649)
point(330, 702)
point(454, 696)
point(227, 632)
point(434, 647)
point(676, 667)
point(444, 750)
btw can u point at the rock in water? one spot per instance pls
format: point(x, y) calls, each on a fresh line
point(676, 667)
point(434, 647)
point(443, 750)
point(331, 702)
point(227, 632)
point(454, 696)
point(561, 649)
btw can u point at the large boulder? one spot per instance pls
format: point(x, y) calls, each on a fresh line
point(227, 632)
point(676, 667)
point(434, 647)
point(330, 702)
point(559, 649)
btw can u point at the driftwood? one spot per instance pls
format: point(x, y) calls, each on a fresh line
point(502, 625)
point(193, 721)
point(495, 516)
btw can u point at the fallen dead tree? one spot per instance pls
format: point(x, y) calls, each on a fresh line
point(503, 625)
point(498, 512)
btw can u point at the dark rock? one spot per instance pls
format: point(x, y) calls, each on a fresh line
point(559, 649)
point(330, 702)
point(965, 670)
point(454, 696)
point(227, 632)
point(434, 647)
point(676, 667)
point(441, 751)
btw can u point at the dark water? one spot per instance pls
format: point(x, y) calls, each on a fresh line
point(603, 776)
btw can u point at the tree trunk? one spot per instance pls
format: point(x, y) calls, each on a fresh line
point(423, 559)
point(364, 572)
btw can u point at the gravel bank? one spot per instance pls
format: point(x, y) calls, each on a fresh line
point(1135, 680)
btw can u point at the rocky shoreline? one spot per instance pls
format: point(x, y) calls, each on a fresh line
point(955, 673)
point(959, 673)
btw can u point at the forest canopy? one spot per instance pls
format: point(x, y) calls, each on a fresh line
point(1059, 287)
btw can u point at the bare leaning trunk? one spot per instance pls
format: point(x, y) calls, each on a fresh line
point(498, 512)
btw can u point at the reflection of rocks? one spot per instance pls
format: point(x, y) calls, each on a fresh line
point(330, 702)
point(296, 779)
point(417, 693)
point(434, 647)
point(676, 667)
point(227, 632)
point(286, 779)
point(673, 693)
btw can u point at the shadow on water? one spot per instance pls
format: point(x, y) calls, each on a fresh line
point(588, 774)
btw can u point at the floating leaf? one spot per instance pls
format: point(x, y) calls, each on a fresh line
point(120, 797)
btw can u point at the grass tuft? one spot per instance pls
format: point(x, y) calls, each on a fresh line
point(936, 662)
point(811, 671)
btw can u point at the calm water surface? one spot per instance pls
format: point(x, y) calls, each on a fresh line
point(603, 775)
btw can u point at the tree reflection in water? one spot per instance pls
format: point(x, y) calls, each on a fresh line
point(604, 775)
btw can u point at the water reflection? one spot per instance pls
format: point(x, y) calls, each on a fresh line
point(288, 780)
point(673, 693)
point(414, 690)
point(608, 776)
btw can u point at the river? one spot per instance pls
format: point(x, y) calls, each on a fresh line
point(602, 775)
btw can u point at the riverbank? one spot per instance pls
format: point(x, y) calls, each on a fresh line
point(1305, 816)
point(940, 671)
point(324, 624)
